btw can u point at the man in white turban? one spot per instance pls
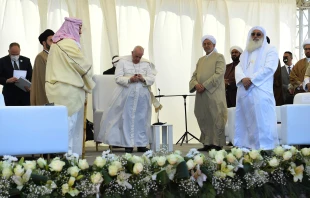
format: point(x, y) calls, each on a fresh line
point(230, 81)
point(210, 104)
point(256, 123)
point(298, 72)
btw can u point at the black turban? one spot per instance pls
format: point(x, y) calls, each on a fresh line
point(45, 34)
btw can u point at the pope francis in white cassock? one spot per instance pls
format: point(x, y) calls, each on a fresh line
point(256, 124)
point(127, 121)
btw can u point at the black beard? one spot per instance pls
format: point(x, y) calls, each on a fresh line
point(48, 47)
point(235, 59)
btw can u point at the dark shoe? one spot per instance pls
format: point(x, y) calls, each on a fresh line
point(217, 148)
point(117, 147)
point(230, 144)
point(142, 149)
point(204, 148)
point(129, 150)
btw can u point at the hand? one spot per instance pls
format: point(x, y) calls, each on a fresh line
point(140, 77)
point(12, 80)
point(246, 83)
point(291, 91)
point(134, 79)
point(27, 88)
point(226, 81)
point(200, 88)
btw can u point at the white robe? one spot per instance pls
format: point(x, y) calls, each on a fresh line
point(256, 123)
point(127, 121)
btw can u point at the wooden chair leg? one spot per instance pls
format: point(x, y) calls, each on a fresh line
point(97, 143)
point(111, 148)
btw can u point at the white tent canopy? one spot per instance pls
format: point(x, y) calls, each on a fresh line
point(169, 30)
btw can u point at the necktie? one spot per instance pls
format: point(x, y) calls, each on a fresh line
point(289, 70)
point(15, 65)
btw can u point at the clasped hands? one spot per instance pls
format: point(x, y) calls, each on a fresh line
point(246, 83)
point(137, 78)
point(199, 88)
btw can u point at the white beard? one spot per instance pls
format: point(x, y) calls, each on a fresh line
point(253, 45)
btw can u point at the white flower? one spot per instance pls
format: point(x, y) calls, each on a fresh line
point(56, 165)
point(71, 181)
point(198, 159)
point(64, 189)
point(100, 162)
point(172, 159)
point(231, 158)
point(41, 162)
point(190, 164)
point(254, 154)
point(274, 162)
point(30, 165)
point(237, 152)
point(297, 172)
point(171, 170)
point(286, 147)
point(179, 158)
point(137, 168)
point(161, 160)
point(198, 176)
point(112, 170)
point(127, 156)
point(9, 158)
point(146, 160)
point(279, 151)
point(21, 180)
point(122, 178)
point(245, 150)
point(293, 150)
point(73, 171)
point(73, 192)
point(118, 165)
point(192, 152)
point(287, 155)
point(305, 151)
point(177, 152)
point(50, 184)
point(148, 153)
point(18, 170)
point(96, 178)
point(7, 172)
point(136, 159)
point(83, 164)
point(219, 157)
point(212, 153)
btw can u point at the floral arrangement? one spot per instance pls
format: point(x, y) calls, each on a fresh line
point(285, 171)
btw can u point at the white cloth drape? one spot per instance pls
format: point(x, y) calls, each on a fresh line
point(169, 30)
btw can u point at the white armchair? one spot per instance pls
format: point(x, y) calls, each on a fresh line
point(302, 98)
point(230, 129)
point(294, 125)
point(33, 130)
point(102, 95)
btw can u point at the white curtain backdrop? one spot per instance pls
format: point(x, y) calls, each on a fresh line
point(169, 30)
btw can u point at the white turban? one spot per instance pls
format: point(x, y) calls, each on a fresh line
point(236, 48)
point(209, 37)
point(306, 42)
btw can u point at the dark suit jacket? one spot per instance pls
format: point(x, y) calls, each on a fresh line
point(285, 82)
point(14, 96)
point(277, 86)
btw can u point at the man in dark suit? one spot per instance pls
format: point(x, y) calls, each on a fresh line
point(13, 95)
point(111, 71)
point(285, 72)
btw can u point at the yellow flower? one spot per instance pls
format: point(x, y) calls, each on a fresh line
point(297, 172)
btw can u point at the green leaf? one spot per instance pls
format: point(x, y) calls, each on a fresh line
point(129, 166)
point(21, 161)
point(162, 178)
point(182, 171)
point(247, 167)
point(167, 194)
point(106, 177)
point(39, 179)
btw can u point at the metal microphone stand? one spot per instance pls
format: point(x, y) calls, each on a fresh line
point(184, 136)
point(159, 123)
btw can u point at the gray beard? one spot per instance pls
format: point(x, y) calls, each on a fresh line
point(253, 45)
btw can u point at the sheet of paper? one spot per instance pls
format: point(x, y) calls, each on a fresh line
point(20, 73)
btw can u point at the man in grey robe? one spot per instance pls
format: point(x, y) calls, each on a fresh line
point(210, 104)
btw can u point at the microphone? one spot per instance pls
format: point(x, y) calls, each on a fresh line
point(158, 89)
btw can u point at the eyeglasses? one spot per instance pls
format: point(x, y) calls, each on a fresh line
point(257, 34)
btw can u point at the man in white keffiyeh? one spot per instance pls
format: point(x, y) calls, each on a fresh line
point(256, 125)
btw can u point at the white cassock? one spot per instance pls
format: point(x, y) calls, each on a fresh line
point(127, 121)
point(256, 123)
